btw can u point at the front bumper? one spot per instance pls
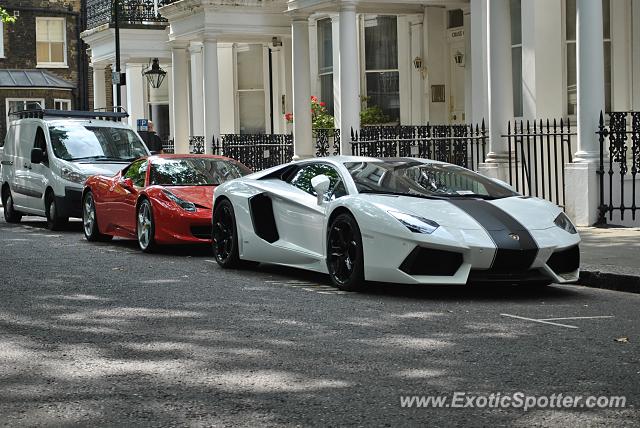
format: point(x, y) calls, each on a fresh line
point(70, 205)
point(176, 226)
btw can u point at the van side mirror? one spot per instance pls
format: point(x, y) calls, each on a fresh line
point(320, 184)
point(37, 156)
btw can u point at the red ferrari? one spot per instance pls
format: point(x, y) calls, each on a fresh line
point(162, 199)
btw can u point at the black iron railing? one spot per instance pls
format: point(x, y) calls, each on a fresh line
point(256, 151)
point(196, 144)
point(132, 12)
point(538, 151)
point(463, 145)
point(619, 162)
point(168, 146)
point(326, 142)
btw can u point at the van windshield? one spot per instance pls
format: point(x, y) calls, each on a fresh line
point(75, 141)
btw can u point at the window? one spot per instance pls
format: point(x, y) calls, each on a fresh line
point(51, 42)
point(570, 41)
point(1, 39)
point(62, 104)
point(137, 172)
point(516, 56)
point(17, 104)
point(455, 18)
point(302, 180)
point(325, 62)
point(382, 78)
point(40, 142)
point(251, 94)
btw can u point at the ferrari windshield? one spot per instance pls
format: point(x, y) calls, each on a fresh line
point(75, 141)
point(415, 178)
point(195, 171)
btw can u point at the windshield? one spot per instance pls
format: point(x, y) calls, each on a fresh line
point(195, 171)
point(75, 141)
point(423, 180)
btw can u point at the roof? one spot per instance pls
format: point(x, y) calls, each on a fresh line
point(32, 79)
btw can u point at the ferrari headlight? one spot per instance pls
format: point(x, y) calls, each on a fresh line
point(563, 222)
point(185, 205)
point(415, 223)
point(74, 176)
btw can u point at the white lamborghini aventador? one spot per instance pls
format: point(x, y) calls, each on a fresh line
point(394, 220)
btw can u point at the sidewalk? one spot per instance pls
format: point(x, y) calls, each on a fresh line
point(610, 258)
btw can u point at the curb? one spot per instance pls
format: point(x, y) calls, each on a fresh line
point(610, 281)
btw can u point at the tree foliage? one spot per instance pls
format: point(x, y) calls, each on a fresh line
point(5, 17)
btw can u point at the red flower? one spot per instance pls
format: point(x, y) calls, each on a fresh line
point(288, 117)
point(322, 104)
point(314, 99)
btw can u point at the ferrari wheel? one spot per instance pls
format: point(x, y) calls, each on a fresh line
point(10, 213)
point(145, 227)
point(225, 236)
point(89, 220)
point(54, 220)
point(345, 258)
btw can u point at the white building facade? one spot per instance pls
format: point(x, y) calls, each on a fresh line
point(240, 66)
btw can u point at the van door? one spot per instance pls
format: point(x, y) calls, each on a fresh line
point(36, 182)
point(25, 134)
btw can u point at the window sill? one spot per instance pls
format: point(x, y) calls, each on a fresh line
point(52, 66)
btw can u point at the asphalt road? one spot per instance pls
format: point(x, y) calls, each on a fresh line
point(103, 335)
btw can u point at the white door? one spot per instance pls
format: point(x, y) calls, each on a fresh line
point(23, 194)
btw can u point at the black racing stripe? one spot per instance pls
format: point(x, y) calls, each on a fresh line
point(512, 254)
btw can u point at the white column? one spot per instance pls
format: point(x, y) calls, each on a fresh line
point(621, 55)
point(211, 93)
point(468, 71)
point(635, 53)
point(581, 181)
point(590, 63)
point(500, 78)
point(99, 87)
point(197, 89)
point(303, 142)
point(479, 84)
point(180, 106)
point(136, 103)
point(169, 80)
point(349, 75)
point(335, 47)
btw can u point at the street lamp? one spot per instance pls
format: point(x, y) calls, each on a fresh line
point(154, 74)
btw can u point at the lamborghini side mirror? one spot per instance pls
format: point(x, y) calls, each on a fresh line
point(320, 184)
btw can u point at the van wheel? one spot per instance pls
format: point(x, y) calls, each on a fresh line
point(54, 220)
point(10, 213)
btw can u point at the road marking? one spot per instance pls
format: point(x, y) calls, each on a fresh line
point(539, 321)
point(577, 318)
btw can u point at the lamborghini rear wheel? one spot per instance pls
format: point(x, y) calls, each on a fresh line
point(225, 236)
point(345, 256)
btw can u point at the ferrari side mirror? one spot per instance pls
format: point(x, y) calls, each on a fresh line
point(127, 183)
point(321, 185)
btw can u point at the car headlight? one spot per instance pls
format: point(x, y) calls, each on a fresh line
point(185, 205)
point(563, 222)
point(415, 223)
point(74, 176)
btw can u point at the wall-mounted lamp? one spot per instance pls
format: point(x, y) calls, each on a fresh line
point(459, 58)
point(154, 74)
point(418, 63)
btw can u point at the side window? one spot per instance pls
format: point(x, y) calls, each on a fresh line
point(40, 142)
point(302, 179)
point(137, 172)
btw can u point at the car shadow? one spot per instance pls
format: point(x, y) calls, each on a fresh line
point(443, 292)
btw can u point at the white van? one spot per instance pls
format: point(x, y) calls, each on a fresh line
point(48, 155)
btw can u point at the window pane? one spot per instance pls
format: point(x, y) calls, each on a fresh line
point(41, 30)
point(516, 23)
point(326, 91)
point(572, 94)
point(251, 110)
point(455, 18)
point(383, 90)
point(381, 43)
point(570, 20)
point(57, 52)
point(325, 46)
point(250, 67)
point(56, 30)
point(516, 67)
point(42, 53)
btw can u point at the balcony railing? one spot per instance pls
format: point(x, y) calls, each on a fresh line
point(132, 12)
